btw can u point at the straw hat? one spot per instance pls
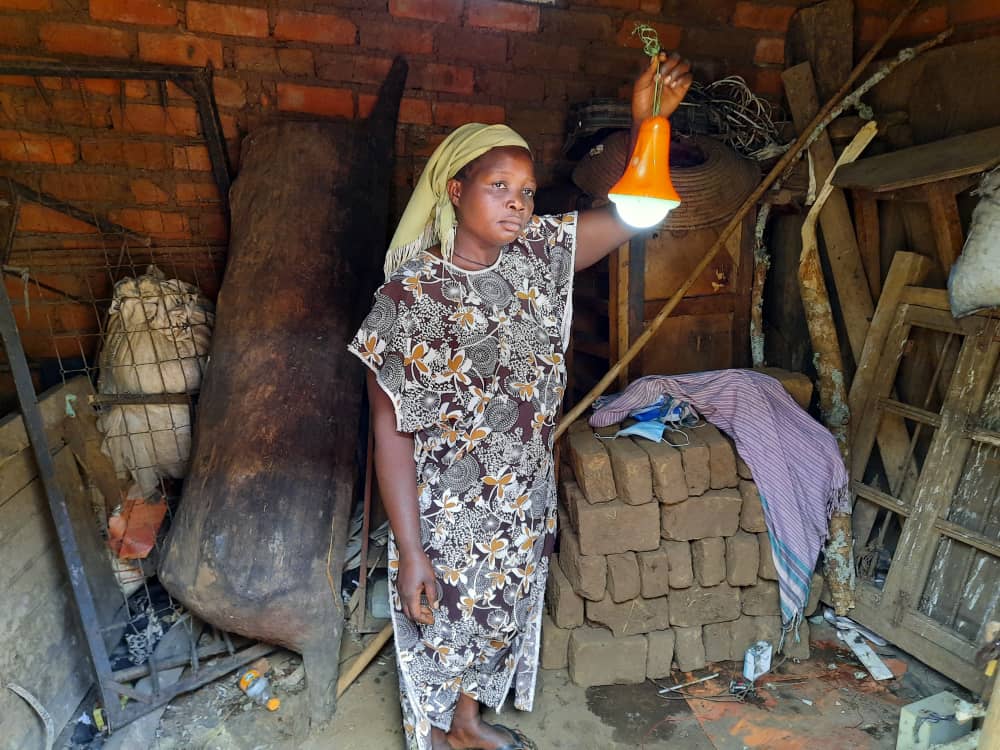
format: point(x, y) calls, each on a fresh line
point(711, 178)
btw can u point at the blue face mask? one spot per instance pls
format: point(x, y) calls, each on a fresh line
point(650, 430)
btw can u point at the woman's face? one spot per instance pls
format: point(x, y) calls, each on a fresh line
point(495, 198)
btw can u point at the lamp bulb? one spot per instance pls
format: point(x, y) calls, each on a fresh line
point(641, 211)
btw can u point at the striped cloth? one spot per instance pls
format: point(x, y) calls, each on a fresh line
point(794, 459)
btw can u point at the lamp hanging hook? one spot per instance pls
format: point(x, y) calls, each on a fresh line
point(650, 39)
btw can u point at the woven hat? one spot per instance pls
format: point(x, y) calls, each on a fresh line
point(712, 179)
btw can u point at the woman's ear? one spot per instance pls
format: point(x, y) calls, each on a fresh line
point(454, 189)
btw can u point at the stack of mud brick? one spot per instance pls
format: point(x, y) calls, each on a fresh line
point(664, 559)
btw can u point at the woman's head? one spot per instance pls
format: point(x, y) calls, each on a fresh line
point(494, 196)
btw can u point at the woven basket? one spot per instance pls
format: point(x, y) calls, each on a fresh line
point(711, 178)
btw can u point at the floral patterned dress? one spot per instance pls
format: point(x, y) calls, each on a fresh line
point(473, 362)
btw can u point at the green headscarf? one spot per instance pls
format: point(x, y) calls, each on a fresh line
point(429, 217)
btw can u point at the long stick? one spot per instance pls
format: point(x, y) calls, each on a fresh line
point(363, 660)
point(776, 171)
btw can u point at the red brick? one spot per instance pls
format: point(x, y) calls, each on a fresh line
point(316, 100)
point(973, 11)
point(35, 218)
point(415, 111)
point(357, 68)
point(447, 78)
point(296, 62)
point(86, 187)
point(767, 82)
point(163, 224)
point(257, 59)
point(154, 119)
point(79, 39)
point(146, 12)
point(670, 35)
point(766, 17)
point(180, 49)
point(427, 10)
point(17, 31)
point(26, 4)
point(931, 20)
point(770, 50)
point(478, 48)
point(453, 114)
point(321, 28)
point(504, 16)
point(148, 192)
point(572, 25)
point(231, 20)
point(196, 193)
point(229, 92)
point(193, 158)
point(511, 86)
point(140, 154)
point(872, 28)
point(36, 148)
point(527, 54)
point(396, 37)
point(211, 226)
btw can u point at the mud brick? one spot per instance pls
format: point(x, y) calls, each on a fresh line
point(609, 528)
point(761, 599)
point(598, 658)
point(679, 561)
point(669, 484)
point(623, 577)
point(555, 644)
point(766, 569)
point(742, 470)
point(721, 457)
point(743, 634)
point(768, 628)
point(565, 605)
point(815, 589)
point(654, 573)
point(798, 385)
point(709, 558)
point(752, 513)
point(630, 466)
point(586, 573)
point(689, 649)
point(718, 640)
point(742, 559)
point(715, 513)
point(591, 466)
point(660, 655)
point(571, 498)
point(695, 458)
point(700, 606)
point(798, 649)
point(631, 617)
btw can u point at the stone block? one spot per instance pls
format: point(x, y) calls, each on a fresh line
point(564, 604)
point(695, 459)
point(768, 628)
point(718, 640)
point(815, 589)
point(571, 497)
point(587, 574)
point(752, 513)
point(709, 558)
point(689, 650)
point(742, 559)
point(700, 606)
point(761, 599)
point(654, 573)
point(721, 457)
point(715, 513)
point(798, 649)
point(598, 658)
point(679, 560)
point(623, 576)
point(742, 470)
point(660, 655)
point(555, 645)
point(742, 634)
point(610, 528)
point(798, 385)
point(667, 468)
point(631, 617)
point(591, 466)
point(630, 467)
point(766, 568)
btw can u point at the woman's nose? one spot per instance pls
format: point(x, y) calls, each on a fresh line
point(516, 202)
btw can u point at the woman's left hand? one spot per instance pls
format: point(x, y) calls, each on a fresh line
point(675, 74)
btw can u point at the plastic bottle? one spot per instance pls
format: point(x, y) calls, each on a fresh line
point(258, 688)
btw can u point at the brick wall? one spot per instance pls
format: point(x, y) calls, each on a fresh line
point(113, 147)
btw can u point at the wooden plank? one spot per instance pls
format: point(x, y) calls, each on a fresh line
point(842, 251)
point(947, 224)
point(867, 228)
point(922, 297)
point(617, 308)
point(823, 35)
point(13, 438)
point(951, 157)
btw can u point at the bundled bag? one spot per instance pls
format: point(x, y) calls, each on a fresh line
point(974, 282)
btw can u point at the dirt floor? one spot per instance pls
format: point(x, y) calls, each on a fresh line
point(824, 703)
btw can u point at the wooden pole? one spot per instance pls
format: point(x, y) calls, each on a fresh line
point(363, 660)
point(802, 142)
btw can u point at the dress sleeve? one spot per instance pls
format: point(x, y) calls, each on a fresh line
point(559, 250)
point(386, 345)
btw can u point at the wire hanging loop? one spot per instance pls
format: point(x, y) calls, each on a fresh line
point(651, 46)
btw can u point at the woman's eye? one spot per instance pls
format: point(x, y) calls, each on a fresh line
point(529, 192)
point(499, 185)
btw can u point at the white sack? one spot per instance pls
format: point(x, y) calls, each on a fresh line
point(974, 282)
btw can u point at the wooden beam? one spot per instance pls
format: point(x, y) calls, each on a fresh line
point(947, 224)
point(867, 229)
point(849, 278)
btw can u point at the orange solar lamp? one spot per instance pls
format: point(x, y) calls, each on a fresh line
point(645, 195)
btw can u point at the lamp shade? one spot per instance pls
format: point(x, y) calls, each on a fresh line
point(644, 195)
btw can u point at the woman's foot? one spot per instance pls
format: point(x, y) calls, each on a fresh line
point(439, 740)
point(476, 733)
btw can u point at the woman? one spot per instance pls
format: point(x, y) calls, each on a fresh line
point(465, 347)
